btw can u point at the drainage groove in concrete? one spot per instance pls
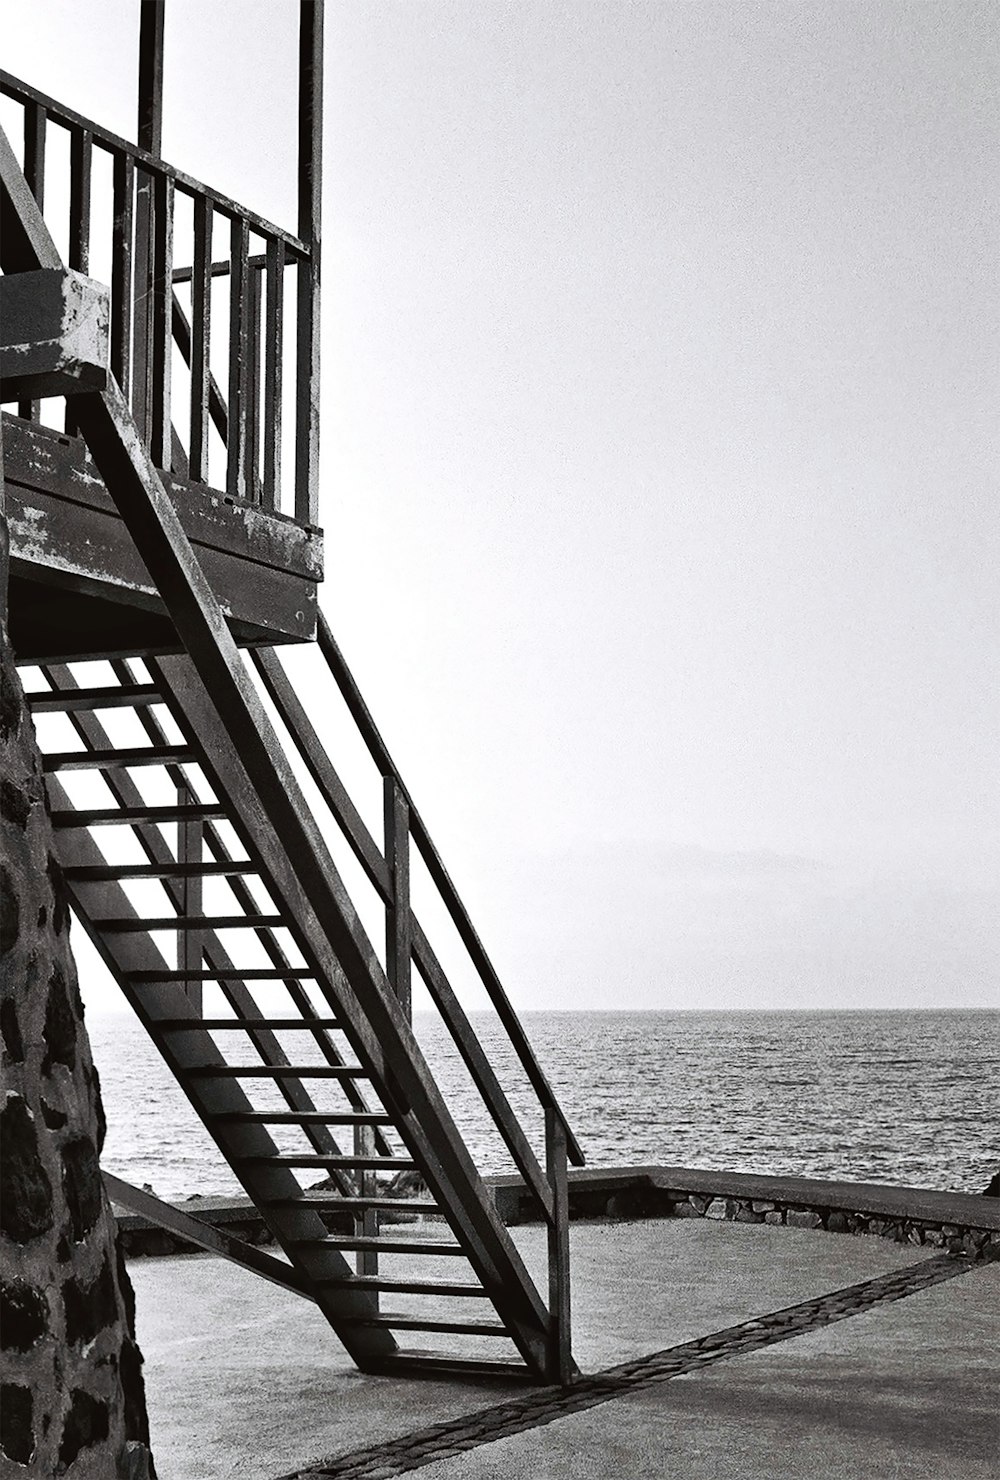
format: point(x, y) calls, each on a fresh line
point(438, 1441)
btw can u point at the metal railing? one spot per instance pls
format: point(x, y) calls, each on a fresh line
point(193, 271)
point(387, 869)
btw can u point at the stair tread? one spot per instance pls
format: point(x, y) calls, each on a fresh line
point(143, 755)
point(405, 1287)
point(283, 1025)
point(116, 696)
point(276, 1071)
point(189, 922)
point(305, 1117)
point(407, 1321)
point(384, 1204)
point(131, 816)
point(394, 1245)
point(211, 974)
point(318, 1159)
point(422, 1362)
point(170, 869)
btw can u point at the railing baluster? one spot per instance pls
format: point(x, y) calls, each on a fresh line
point(236, 472)
point(307, 396)
point(201, 324)
point(273, 354)
point(80, 156)
point(80, 159)
point(255, 284)
point(121, 272)
point(398, 926)
point(161, 294)
point(366, 1223)
point(142, 303)
point(190, 943)
point(35, 118)
point(560, 1335)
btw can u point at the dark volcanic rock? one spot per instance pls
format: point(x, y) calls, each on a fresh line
point(24, 1316)
point(17, 1434)
point(25, 1190)
point(86, 1424)
point(89, 1307)
point(82, 1185)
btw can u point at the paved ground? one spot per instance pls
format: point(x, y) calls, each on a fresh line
point(246, 1379)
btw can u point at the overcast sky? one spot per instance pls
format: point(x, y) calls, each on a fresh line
point(661, 373)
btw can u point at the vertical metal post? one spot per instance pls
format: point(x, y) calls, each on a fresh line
point(310, 165)
point(560, 1360)
point(253, 381)
point(190, 943)
point(80, 157)
point(366, 1223)
point(150, 138)
point(161, 304)
point(150, 123)
point(398, 931)
point(239, 323)
point(80, 160)
point(273, 356)
point(35, 120)
point(121, 272)
point(201, 329)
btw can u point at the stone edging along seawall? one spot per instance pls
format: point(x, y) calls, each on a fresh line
point(961, 1222)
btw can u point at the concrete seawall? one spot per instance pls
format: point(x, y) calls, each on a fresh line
point(961, 1222)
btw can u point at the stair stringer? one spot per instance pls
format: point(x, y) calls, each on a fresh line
point(373, 1020)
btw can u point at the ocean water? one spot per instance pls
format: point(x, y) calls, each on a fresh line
point(909, 1098)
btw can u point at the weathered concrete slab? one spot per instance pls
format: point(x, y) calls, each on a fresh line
point(907, 1390)
point(246, 1379)
point(79, 585)
point(54, 333)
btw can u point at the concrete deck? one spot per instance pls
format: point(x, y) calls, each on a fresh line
point(246, 1379)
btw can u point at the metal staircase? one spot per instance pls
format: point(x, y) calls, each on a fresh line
point(256, 1094)
point(222, 834)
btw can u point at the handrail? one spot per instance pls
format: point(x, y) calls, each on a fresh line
point(379, 753)
point(24, 93)
point(369, 856)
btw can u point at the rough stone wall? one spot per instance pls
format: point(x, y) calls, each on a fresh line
point(72, 1400)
